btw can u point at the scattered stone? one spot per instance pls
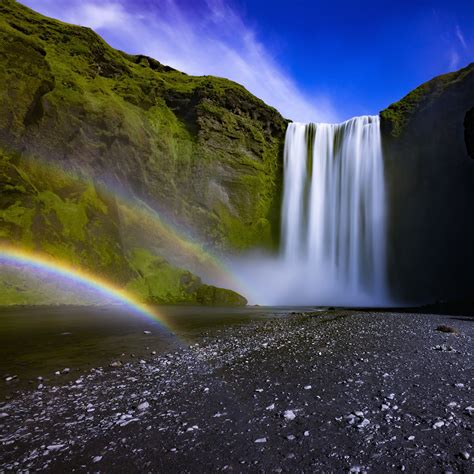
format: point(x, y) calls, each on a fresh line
point(116, 363)
point(443, 348)
point(448, 329)
point(143, 406)
point(55, 447)
point(147, 332)
point(363, 424)
point(171, 387)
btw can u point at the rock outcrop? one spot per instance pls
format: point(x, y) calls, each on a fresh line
point(469, 131)
point(203, 150)
point(427, 139)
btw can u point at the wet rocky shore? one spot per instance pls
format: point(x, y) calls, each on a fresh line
point(339, 391)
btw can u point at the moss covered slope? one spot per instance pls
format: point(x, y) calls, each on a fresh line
point(203, 148)
point(75, 222)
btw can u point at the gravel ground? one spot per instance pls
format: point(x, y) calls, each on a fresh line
point(342, 391)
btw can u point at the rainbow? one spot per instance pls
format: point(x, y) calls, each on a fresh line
point(203, 262)
point(13, 256)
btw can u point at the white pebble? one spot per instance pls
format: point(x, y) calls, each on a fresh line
point(143, 406)
point(55, 447)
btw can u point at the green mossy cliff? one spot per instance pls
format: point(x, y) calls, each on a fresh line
point(75, 222)
point(428, 138)
point(202, 148)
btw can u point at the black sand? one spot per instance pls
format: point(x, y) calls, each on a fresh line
point(335, 392)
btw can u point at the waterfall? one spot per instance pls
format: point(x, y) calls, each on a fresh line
point(333, 213)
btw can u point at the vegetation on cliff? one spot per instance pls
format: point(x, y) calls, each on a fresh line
point(202, 148)
point(426, 138)
point(76, 222)
point(397, 116)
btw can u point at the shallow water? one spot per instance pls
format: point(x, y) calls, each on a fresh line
point(38, 341)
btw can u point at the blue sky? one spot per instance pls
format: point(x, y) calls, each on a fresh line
point(313, 60)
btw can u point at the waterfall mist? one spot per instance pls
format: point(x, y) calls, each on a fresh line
point(333, 220)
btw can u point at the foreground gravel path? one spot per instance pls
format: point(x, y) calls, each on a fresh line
point(332, 392)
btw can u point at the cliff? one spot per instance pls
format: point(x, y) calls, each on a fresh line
point(203, 150)
point(428, 140)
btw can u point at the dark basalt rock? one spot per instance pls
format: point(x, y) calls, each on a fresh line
point(431, 189)
point(469, 132)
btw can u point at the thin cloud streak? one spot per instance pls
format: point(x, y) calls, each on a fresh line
point(460, 37)
point(217, 43)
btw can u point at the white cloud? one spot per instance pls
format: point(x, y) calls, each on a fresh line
point(460, 37)
point(218, 42)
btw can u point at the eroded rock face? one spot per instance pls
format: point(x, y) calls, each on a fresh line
point(469, 132)
point(431, 189)
point(202, 148)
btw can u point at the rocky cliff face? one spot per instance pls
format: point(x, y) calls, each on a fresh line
point(203, 149)
point(469, 131)
point(427, 139)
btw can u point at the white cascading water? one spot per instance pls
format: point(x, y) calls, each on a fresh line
point(333, 220)
point(333, 214)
